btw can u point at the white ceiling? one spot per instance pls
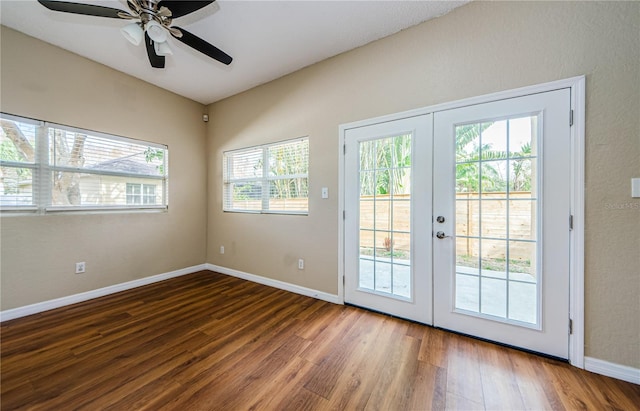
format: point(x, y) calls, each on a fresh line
point(267, 39)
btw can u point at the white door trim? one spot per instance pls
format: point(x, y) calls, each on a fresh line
point(576, 275)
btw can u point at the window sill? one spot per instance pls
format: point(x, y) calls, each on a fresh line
point(294, 213)
point(81, 210)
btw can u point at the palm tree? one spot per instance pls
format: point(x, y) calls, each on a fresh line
point(285, 160)
point(470, 156)
point(384, 165)
point(521, 169)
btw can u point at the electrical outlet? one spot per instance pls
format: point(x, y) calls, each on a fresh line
point(301, 264)
point(80, 268)
point(221, 249)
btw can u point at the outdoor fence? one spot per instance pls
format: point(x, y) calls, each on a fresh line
point(392, 224)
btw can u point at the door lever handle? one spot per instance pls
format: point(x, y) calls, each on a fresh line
point(441, 235)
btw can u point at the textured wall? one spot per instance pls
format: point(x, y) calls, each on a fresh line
point(479, 48)
point(38, 253)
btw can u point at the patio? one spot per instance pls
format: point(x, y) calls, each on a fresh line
point(483, 291)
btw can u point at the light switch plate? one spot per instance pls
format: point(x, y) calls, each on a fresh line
point(635, 187)
point(325, 192)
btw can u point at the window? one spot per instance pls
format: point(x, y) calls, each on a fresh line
point(49, 167)
point(141, 193)
point(271, 178)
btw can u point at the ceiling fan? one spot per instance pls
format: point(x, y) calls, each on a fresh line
point(151, 19)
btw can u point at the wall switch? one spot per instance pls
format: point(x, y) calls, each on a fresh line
point(635, 187)
point(301, 264)
point(221, 249)
point(325, 192)
point(80, 267)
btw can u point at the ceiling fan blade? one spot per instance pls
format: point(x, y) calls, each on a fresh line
point(79, 8)
point(182, 8)
point(155, 60)
point(203, 47)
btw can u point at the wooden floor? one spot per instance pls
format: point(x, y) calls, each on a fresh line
point(211, 342)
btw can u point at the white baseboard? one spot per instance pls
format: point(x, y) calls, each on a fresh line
point(332, 298)
point(100, 292)
point(620, 372)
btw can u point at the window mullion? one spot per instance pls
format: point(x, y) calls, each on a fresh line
point(265, 179)
point(43, 179)
point(165, 174)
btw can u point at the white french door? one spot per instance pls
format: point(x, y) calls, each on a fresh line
point(388, 217)
point(502, 186)
point(460, 219)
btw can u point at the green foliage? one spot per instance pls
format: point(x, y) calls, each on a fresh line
point(246, 192)
point(151, 154)
point(385, 165)
point(469, 153)
point(12, 175)
point(521, 178)
point(470, 156)
point(286, 160)
point(8, 152)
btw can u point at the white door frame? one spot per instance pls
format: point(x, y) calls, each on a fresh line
point(576, 272)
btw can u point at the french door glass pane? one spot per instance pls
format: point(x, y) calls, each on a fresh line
point(521, 216)
point(496, 219)
point(467, 292)
point(385, 216)
point(493, 175)
point(493, 297)
point(467, 216)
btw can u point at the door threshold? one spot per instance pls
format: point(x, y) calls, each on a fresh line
point(536, 353)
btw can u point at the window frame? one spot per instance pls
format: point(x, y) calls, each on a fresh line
point(265, 179)
point(44, 167)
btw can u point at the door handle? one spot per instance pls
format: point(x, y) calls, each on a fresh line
point(441, 235)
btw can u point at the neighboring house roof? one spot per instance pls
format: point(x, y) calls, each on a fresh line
point(127, 165)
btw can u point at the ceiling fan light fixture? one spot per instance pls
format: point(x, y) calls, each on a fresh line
point(155, 30)
point(162, 49)
point(132, 32)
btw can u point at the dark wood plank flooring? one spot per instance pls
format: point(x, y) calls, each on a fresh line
point(211, 342)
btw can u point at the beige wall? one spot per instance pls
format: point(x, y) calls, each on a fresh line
point(38, 253)
point(480, 48)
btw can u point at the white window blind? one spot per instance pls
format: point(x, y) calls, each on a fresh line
point(93, 170)
point(271, 178)
point(75, 169)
